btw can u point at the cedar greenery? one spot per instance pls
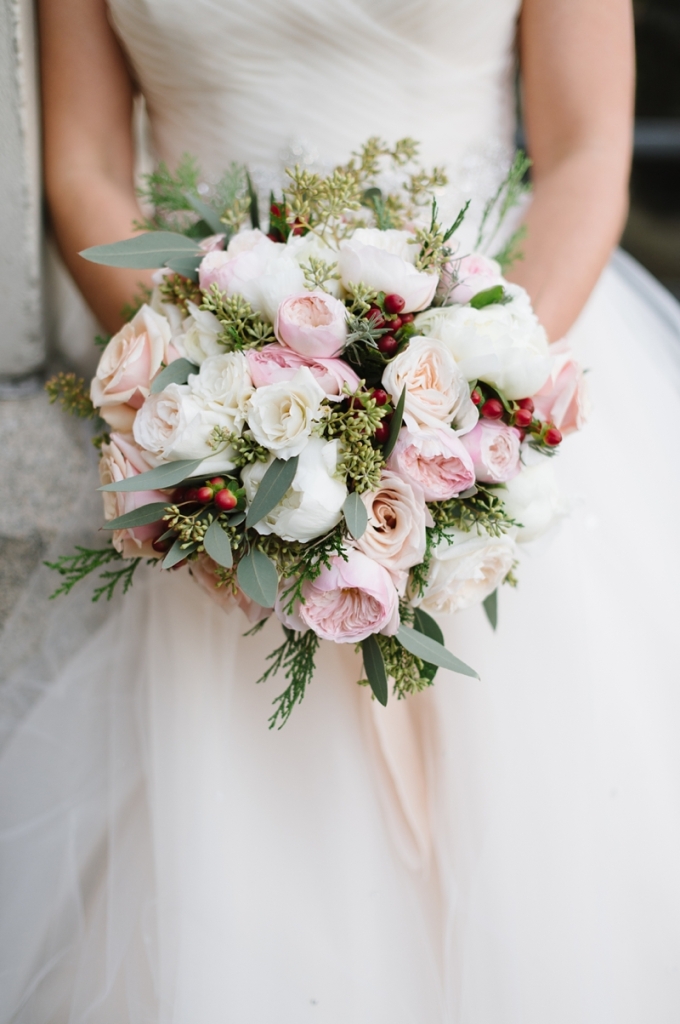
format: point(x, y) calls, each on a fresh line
point(74, 568)
point(296, 659)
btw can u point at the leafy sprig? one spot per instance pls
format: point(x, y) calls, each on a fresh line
point(242, 327)
point(74, 568)
point(296, 659)
point(72, 394)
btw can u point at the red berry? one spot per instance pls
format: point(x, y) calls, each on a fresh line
point(396, 324)
point(523, 418)
point(204, 495)
point(407, 318)
point(526, 403)
point(274, 236)
point(394, 303)
point(388, 344)
point(476, 397)
point(225, 500)
point(161, 545)
point(552, 437)
point(376, 318)
point(380, 397)
point(382, 432)
point(273, 209)
point(492, 410)
point(190, 494)
point(218, 482)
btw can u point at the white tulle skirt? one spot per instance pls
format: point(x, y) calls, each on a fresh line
point(494, 852)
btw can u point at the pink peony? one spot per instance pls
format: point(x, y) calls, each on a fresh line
point(313, 324)
point(275, 363)
point(563, 399)
point(347, 602)
point(120, 460)
point(464, 278)
point(435, 459)
point(494, 448)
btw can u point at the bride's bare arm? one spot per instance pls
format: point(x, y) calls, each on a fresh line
point(578, 75)
point(88, 149)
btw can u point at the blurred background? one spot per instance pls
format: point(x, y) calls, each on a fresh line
point(652, 234)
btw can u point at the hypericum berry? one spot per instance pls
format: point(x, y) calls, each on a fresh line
point(226, 500)
point(161, 545)
point(523, 418)
point(190, 494)
point(476, 397)
point(394, 303)
point(388, 344)
point(526, 403)
point(382, 432)
point(204, 495)
point(275, 210)
point(407, 318)
point(492, 409)
point(376, 318)
point(380, 397)
point(218, 482)
point(553, 437)
point(395, 324)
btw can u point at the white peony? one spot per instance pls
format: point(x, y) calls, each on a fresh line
point(313, 504)
point(505, 346)
point(174, 424)
point(198, 334)
point(437, 393)
point(385, 260)
point(466, 571)
point(533, 499)
point(281, 415)
point(223, 385)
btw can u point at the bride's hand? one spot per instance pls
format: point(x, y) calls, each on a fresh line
point(87, 95)
point(577, 62)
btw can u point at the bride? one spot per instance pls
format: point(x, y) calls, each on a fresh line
point(502, 851)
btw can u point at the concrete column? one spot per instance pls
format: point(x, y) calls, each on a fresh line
point(22, 345)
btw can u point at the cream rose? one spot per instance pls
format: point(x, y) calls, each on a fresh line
point(397, 517)
point(174, 425)
point(385, 260)
point(502, 345)
point(281, 416)
point(465, 571)
point(437, 393)
point(533, 500)
point(128, 364)
point(313, 504)
point(121, 460)
point(223, 385)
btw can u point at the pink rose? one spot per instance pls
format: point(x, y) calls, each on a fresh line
point(275, 363)
point(347, 602)
point(313, 324)
point(128, 364)
point(435, 459)
point(120, 460)
point(397, 516)
point(494, 448)
point(203, 569)
point(563, 399)
point(462, 279)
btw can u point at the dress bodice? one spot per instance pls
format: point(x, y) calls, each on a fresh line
point(256, 80)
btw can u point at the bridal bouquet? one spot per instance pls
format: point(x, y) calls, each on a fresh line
point(341, 418)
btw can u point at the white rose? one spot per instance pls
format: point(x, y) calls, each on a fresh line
point(302, 247)
point(313, 504)
point(281, 415)
point(224, 386)
point(466, 571)
point(385, 260)
point(505, 346)
point(533, 499)
point(198, 334)
point(174, 424)
point(437, 393)
point(397, 516)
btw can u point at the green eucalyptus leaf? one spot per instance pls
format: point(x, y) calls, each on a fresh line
point(258, 578)
point(491, 608)
point(156, 479)
point(275, 483)
point(206, 213)
point(176, 372)
point(424, 623)
point(431, 651)
point(395, 425)
point(141, 516)
point(355, 515)
point(148, 251)
point(187, 266)
point(254, 205)
point(375, 668)
point(177, 553)
point(489, 297)
point(216, 542)
point(237, 518)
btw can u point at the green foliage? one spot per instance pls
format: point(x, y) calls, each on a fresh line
point(512, 252)
point(179, 290)
point(296, 659)
point(245, 448)
point(482, 511)
point(168, 193)
point(242, 328)
point(355, 428)
point(318, 273)
point(72, 394)
point(509, 193)
point(130, 309)
point(434, 249)
point(408, 673)
point(303, 563)
point(74, 568)
point(101, 341)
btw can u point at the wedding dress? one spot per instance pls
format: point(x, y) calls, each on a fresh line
point(502, 851)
